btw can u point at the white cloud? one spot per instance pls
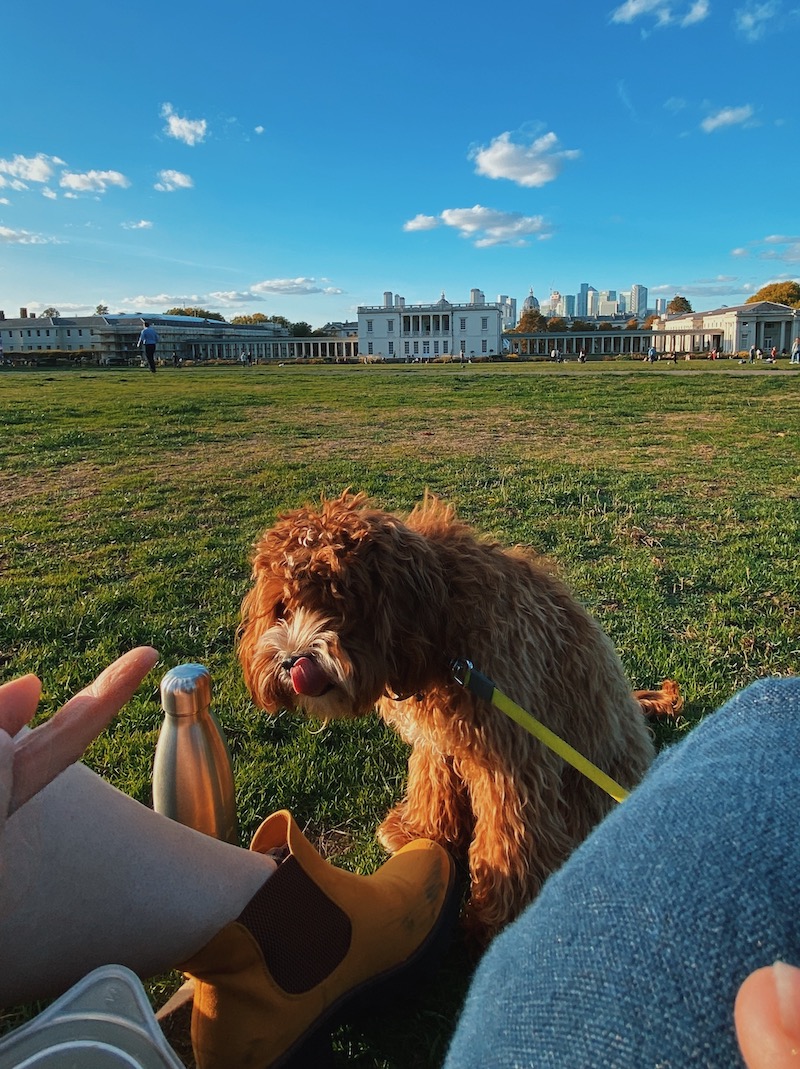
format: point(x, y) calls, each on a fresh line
point(166, 300)
point(756, 20)
point(49, 193)
point(92, 181)
point(22, 237)
point(784, 247)
point(4, 200)
point(739, 252)
point(190, 131)
point(662, 12)
point(38, 168)
point(632, 9)
point(530, 165)
point(727, 287)
point(234, 297)
point(12, 183)
point(727, 117)
point(487, 226)
point(143, 224)
point(421, 222)
point(293, 287)
point(699, 10)
point(172, 180)
point(259, 129)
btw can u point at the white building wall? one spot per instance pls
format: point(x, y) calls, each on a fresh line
point(427, 331)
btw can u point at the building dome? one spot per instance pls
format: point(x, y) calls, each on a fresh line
point(530, 304)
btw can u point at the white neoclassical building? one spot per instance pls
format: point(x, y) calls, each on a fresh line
point(422, 332)
point(730, 330)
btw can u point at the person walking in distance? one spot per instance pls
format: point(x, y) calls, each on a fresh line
point(148, 338)
point(795, 354)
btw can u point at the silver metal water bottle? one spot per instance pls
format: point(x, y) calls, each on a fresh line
point(192, 770)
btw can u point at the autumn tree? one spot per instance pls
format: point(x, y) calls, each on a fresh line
point(531, 322)
point(778, 293)
point(582, 326)
point(197, 313)
point(648, 323)
point(678, 306)
point(256, 317)
point(556, 325)
point(632, 324)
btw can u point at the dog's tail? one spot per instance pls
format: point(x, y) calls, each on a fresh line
point(667, 701)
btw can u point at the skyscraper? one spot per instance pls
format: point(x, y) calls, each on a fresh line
point(638, 304)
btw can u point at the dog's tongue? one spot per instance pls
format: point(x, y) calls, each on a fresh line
point(308, 678)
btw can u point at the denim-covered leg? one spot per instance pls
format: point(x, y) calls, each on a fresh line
point(631, 956)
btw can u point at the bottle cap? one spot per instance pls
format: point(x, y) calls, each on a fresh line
point(186, 690)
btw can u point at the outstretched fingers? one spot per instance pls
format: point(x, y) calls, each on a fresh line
point(41, 754)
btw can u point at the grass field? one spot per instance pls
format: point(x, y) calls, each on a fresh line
point(668, 497)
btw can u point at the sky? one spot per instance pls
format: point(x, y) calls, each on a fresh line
point(299, 159)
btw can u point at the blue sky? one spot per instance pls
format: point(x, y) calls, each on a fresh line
point(300, 159)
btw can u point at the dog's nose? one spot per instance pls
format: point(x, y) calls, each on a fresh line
point(289, 662)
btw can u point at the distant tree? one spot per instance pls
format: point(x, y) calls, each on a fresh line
point(301, 329)
point(282, 321)
point(101, 310)
point(199, 313)
point(779, 293)
point(632, 324)
point(556, 325)
point(581, 325)
point(50, 312)
point(678, 306)
point(256, 317)
point(531, 322)
point(649, 322)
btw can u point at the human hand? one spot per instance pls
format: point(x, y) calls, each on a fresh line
point(30, 762)
point(767, 1017)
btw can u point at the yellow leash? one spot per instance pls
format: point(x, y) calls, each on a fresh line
point(465, 673)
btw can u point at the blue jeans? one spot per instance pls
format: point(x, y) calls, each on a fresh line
point(631, 956)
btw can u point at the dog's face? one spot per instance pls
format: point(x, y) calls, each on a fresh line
point(334, 617)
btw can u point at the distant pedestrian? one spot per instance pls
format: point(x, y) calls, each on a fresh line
point(243, 358)
point(652, 354)
point(556, 355)
point(773, 354)
point(582, 356)
point(149, 339)
point(794, 358)
point(175, 358)
point(753, 352)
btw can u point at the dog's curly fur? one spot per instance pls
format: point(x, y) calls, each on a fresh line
point(381, 606)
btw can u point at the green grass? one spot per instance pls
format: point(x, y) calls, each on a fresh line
point(128, 505)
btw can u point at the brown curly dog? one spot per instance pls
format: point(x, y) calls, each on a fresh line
point(353, 608)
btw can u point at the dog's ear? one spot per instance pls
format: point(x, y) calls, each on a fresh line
point(261, 607)
point(398, 583)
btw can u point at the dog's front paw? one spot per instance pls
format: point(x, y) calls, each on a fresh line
point(395, 832)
